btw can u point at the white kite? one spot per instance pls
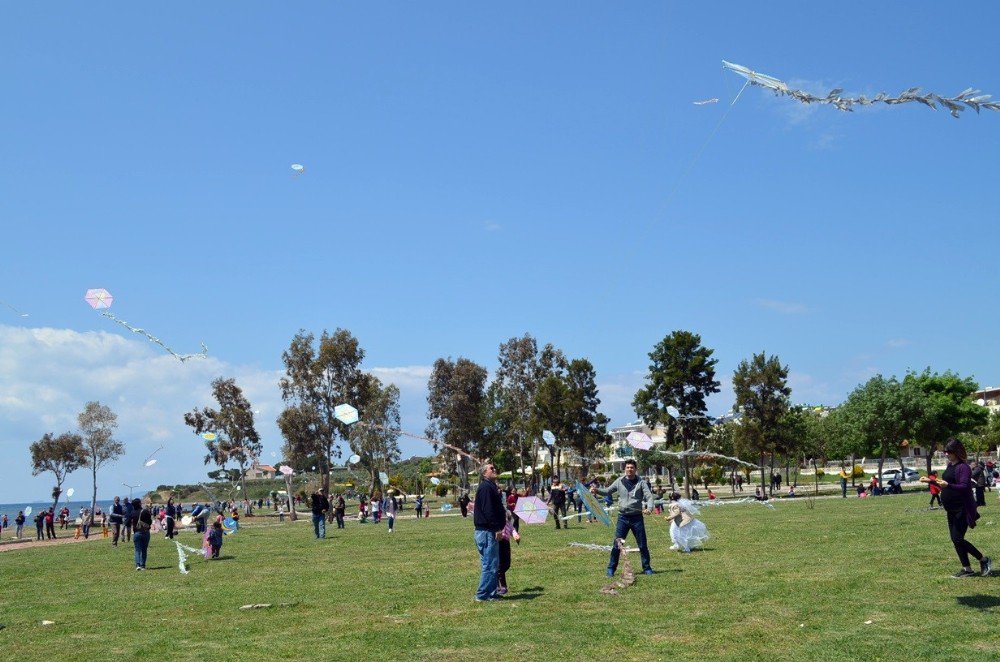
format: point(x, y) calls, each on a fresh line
point(968, 98)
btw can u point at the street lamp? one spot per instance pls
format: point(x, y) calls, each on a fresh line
point(130, 488)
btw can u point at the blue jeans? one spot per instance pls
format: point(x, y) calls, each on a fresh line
point(489, 557)
point(319, 525)
point(141, 541)
point(635, 524)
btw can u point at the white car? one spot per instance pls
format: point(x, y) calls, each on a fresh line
point(909, 476)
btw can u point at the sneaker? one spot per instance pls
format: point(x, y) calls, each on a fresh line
point(964, 573)
point(674, 548)
point(647, 571)
point(986, 566)
point(138, 567)
point(611, 573)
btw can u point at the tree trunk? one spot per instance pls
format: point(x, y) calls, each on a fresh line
point(93, 496)
point(763, 487)
point(815, 476)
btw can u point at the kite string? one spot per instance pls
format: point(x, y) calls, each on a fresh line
point(417, 436)
point(182, 357)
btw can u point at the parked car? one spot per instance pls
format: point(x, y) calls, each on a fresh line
point(909, 476)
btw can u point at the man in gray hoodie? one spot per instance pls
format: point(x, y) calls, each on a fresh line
point(634, 499)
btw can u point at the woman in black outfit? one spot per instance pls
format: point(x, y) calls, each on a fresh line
point(142, 523)
point(960, 506)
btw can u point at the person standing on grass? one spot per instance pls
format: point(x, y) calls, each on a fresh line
point(960, 506)
point(142, 523)
point(50, 525)
point(634, 499)
point(39, 526)
point(19, 523)
point(171, 513)
point(463, 503)
point(489, 516)
point(340, 506)
point(390, 510)
point(117, 518)
point(934, 489)
point(843, 482)
point(979, 483)
point(320, 504)
point(557, 498)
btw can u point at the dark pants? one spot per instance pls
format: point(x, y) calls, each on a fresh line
point(957, 526)
point(635, 524)
point(40, 536)
point(339, 516)
point(128, 532)
point(980, 496)
point(215, 551)
point(170, 528)
point(560, 511)
point(935, 497)
point(504, 563)
point(50, 530)
point(141, 543)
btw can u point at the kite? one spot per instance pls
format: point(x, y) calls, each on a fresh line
point(14, 309)
point(639, 440)
point(968, 98)
point(548, 437)
point(299, 169)
point(286, 470)
point(445, 507)
point(150, 461)
point(383, 477)
point(346, 414)
point(27, 511)
point(70, 492)
point(101, 299)
point(230, 525)
point(628, 574)
point(435, 480)
point(706, 101)
point(592, 505)
point(531, 510)
point(598, 548)
point(182, 555)
point(354, 459)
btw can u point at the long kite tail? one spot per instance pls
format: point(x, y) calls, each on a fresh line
point(142, 332)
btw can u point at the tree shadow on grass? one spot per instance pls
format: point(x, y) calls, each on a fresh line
point(983, 602)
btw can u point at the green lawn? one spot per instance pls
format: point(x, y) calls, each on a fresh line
point(791, 583)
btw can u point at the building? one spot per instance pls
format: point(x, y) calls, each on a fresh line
point(988, 397)
point(261, 472)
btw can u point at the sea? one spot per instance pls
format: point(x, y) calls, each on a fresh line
point(11, 509)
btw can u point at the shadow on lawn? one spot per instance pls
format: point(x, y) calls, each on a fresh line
point(526, 594)
point(984, 602)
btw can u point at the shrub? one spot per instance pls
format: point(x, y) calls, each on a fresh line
point(857, 472)
point(820, 472)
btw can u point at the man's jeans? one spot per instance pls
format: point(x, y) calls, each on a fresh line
point(319, 525)
point(489, 556)
point(635, 524)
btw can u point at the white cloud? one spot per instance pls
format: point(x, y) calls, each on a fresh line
point(783, 307)
point(47, 375)
point(491, 226)
point(896, 343)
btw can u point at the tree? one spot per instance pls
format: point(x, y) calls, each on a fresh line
point(376, 442)
point(456, 400)
point(232, 424)
point(61, 455)
point(762, 397)
point(882, 413)
point(681, 375)
point(521, 368)
point(586, 427)
point(947, 410)
point(98, 423)
point(316, 380)
point(985, 437)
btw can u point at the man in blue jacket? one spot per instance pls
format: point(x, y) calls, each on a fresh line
point(489, 517)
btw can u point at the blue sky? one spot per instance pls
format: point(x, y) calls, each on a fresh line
point(475, 172)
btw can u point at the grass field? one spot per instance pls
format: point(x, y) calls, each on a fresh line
point(797, 582)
